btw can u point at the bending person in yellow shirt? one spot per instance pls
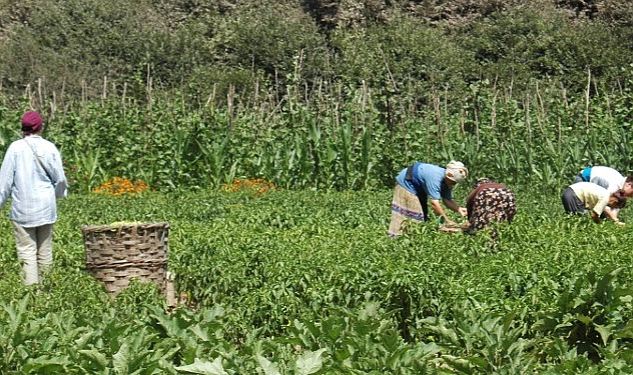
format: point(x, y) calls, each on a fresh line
point(587, 197)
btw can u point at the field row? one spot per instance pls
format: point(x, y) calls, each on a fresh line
point(309, 282)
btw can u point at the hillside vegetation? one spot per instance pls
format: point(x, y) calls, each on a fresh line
point(85, 49)
point(268, 133)
point(319, 94)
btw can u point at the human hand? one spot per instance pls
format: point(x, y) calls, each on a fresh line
point(463, 211)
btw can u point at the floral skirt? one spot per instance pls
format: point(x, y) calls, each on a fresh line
point(491, 205)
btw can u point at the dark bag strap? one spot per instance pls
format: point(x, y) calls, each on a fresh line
point(420, 192)
point(409, 175)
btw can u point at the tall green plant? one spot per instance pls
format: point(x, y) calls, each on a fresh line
point(213, 160)
point(86, 170)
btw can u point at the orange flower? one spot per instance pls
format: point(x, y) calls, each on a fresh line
point(257, 185)
point(119, 186)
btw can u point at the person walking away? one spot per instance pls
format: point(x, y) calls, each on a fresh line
point(418, 184)
point(583, 197)
point(32, 175)
point(489, 202)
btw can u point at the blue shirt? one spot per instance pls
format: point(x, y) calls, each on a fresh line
point(33, 193)
point(429, 179)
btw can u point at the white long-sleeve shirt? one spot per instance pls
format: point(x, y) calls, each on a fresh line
point(607, 177)
point(33, 193)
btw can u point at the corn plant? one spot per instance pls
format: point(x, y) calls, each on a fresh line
point(85, 170)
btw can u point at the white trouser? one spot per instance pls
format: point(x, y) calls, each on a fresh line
point(35, 251)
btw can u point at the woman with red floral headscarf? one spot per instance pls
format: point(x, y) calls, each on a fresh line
point(487, 203)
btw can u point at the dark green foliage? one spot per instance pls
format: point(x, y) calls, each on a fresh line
point(514, 95)
point(73, 50)
point(283, 48)
point(591, 313)
point(71, 44)
point(407, 65)
point(535, 45)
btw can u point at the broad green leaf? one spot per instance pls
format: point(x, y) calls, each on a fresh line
point(268, 367)
point(121, 358)
point(204, 367)
point(47, 365)
point(605, 332)
point(95, 355)
point(310, 362)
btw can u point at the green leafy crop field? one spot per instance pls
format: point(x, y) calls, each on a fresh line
point(307, 282)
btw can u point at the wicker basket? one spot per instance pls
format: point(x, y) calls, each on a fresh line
point(116, 254)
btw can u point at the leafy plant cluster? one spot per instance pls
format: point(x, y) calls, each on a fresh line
point(310, 283)
point(541, 138)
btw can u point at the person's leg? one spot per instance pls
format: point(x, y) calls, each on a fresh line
point(26, 245)
point(424, 203)
point(404, 206)
point(395, 226)
point(578, 178)
point(480, 212)
point(571, 203)
point(44, 241)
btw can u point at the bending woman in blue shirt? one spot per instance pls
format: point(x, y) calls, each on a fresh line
point(417, 184)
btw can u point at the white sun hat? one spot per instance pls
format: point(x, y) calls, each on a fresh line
point(456, 171)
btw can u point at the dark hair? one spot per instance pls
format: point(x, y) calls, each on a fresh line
point(619, 195)
point(481, 181)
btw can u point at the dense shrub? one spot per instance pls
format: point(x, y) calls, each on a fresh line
point(179, 94)
point(402, 61)
point(87, 49)
point(74, 44)
point(258, 39)
point(527, 45)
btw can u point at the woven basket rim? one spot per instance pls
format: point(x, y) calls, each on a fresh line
point(101, 228)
